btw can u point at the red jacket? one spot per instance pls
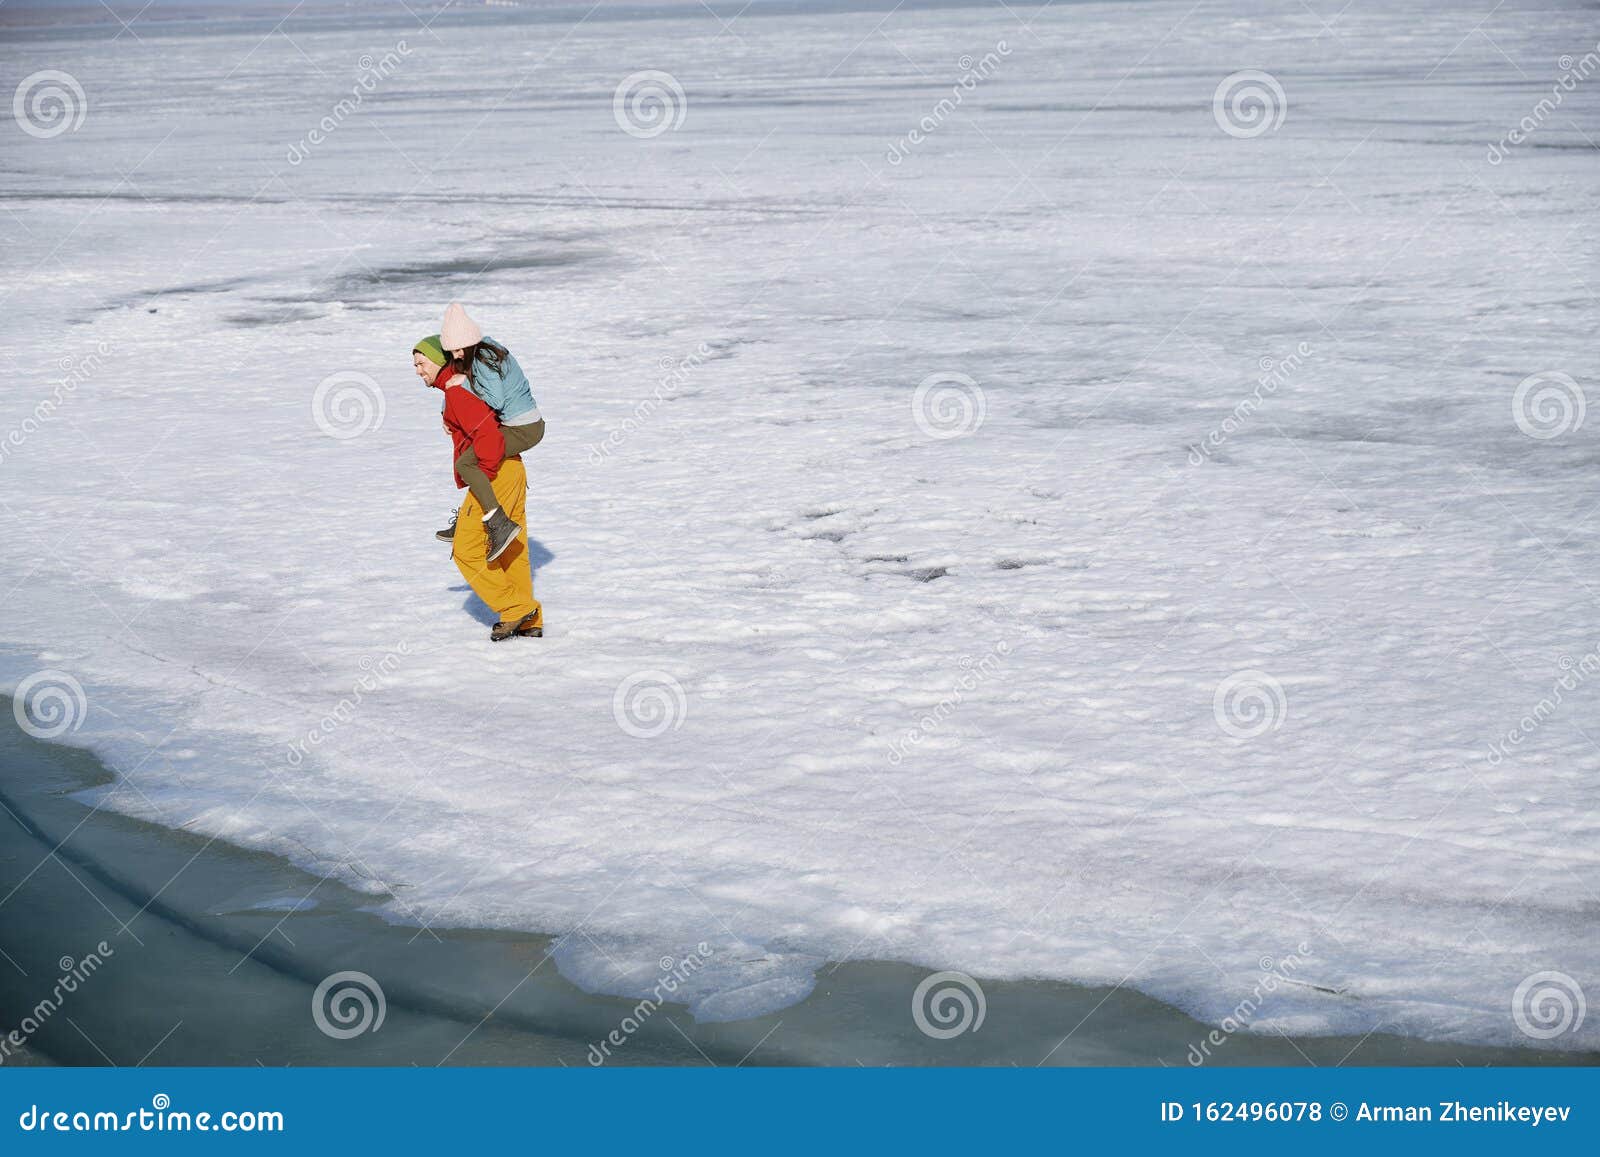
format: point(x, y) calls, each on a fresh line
point(470, 422)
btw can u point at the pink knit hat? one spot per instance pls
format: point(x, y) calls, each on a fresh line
point(458, 331)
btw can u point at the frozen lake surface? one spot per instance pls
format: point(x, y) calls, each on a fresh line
point(1248, 615)
point(231, 964)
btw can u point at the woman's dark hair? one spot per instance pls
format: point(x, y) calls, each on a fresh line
point(492, 354)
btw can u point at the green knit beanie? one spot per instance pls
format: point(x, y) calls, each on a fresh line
point(430, 348)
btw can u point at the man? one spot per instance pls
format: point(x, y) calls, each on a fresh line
point(502, 580)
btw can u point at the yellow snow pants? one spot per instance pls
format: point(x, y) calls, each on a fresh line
point(506, 584)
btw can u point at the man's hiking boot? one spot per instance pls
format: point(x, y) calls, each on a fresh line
point(502, 532)
point(523, 626)
point(448, 534)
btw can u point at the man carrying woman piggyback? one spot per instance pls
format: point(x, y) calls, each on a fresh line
point(492, 418)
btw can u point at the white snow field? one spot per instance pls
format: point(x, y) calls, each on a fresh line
point(1150, 674)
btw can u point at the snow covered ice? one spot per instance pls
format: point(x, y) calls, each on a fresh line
point(1067, 664)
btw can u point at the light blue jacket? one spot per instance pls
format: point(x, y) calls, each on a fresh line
point(507, 392)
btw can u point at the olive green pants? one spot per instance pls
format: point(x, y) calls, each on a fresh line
point(518, 439)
